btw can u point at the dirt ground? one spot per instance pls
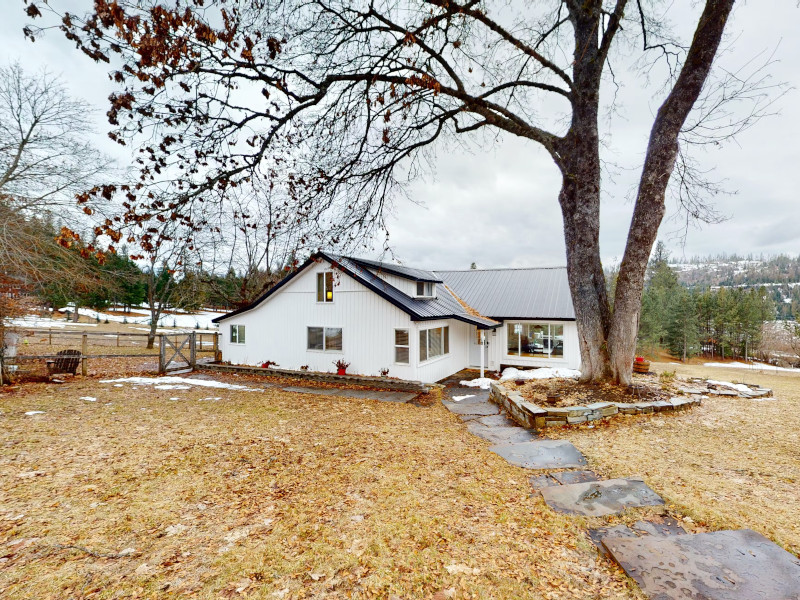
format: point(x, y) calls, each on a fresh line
point(569, 392)
point(731, 463)
point(216, 493)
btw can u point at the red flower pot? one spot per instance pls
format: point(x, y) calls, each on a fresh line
point(341, 372)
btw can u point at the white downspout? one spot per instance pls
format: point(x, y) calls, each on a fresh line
point(483, 348)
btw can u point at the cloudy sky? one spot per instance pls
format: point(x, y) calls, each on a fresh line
point(497, 204)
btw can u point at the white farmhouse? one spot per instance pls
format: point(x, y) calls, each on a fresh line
point(420, 325)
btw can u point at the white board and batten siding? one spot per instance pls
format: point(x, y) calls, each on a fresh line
point(276, 330)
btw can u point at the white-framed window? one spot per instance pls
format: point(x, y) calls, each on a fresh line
point(426, 289)
point(535, 340)
point(402, 348)
point(326, 339)
point(325, 286)
point(434, 343)
point(237, 334)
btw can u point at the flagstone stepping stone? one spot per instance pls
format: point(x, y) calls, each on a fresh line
point(541, 481)
point(541, 454)
point(722, 565)
point(497, 421)
point(600, 498)
point(483, 409)
point(569, 477)
point(659, 526)
point(499, 434)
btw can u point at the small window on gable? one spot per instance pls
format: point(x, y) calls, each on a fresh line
point(425, 289)
point(237, 334)
point(325, 286)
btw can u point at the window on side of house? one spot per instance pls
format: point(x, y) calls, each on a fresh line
point(327, 339)
point(237, 334)
point(434, 343)
point(325, 286)
point(425, 289)
point(535, 340)
point(402, 348)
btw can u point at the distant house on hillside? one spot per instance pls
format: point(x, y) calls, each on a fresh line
point(421, 325)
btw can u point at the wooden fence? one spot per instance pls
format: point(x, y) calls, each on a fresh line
point(169, 350)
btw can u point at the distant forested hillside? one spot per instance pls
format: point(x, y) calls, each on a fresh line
point(779, 275)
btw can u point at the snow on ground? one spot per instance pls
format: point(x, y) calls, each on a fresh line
point(752, 367)
point(482, 382)
point(31, 413)
point(199, 320)
point(739, 387)
point(543, 373)
point(460, 398)
point(88, 398)
point(179, 383)
point(43, 323)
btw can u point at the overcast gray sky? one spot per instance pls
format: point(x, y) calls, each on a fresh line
point(497, 205)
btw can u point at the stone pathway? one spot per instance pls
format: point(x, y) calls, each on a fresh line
point(666, 562)
point(399, 397)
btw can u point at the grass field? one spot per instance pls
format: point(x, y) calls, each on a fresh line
point(731, 463)
point(267, 494)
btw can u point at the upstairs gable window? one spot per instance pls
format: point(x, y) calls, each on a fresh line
point(426, 289)
point(325, 286)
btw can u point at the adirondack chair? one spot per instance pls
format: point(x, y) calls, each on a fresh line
point(66, 361)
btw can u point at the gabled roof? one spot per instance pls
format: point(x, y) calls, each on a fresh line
point(443, 306)
point(399, 270)
point(503, 294)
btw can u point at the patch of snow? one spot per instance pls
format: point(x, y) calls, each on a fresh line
point(162, 382)
point(31, 413)
point(460, 398)
point(739, 387)
point(171, 386)
point(543, 373)
point(199, 320)
point(481, 382)
point(752, 367)
point(88, 398)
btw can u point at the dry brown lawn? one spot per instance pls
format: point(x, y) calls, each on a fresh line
point(731, 463)
point(268, 494)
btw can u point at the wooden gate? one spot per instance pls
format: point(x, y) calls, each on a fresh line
point(175, 353)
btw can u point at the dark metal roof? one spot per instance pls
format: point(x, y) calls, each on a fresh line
point(399, 270)
point(443, 306)
point(514, 293)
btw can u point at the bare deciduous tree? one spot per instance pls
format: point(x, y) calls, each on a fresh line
point(342, 102)
point(45, 158)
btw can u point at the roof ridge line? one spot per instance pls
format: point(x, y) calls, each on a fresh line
point(499, 269)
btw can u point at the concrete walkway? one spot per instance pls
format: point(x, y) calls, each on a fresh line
point(666, 562)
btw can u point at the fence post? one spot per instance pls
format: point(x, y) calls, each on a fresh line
point(193, 349)
point(162, 355)
point(84, 347)
point(50, 332)
point(117, 340)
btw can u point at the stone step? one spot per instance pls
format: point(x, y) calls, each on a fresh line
point(600, 498)
point(658, 526)
point(500, 435)
point(541, 454)
point(722, 565)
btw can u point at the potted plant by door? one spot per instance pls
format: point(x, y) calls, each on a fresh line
point(341, 367)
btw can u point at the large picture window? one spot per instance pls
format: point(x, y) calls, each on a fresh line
point(325, 339)
point(401, 346)
point(325, 286)
point(536, 340)
point(433, 343)
point(237, 334)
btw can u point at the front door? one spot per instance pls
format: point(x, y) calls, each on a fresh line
point(475, 350)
